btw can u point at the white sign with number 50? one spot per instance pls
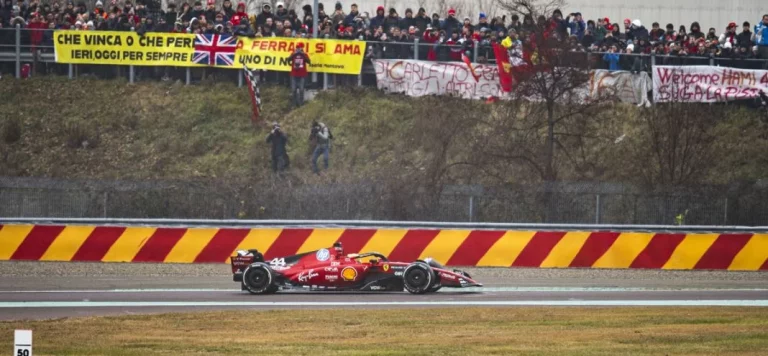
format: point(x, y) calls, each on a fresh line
point(22, 343)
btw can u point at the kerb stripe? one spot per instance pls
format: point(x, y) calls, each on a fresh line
point(658, 251)
point(159, 245)
point(474, 247)
point(98, 243)
point(594, 248)
point(288, 243)
point(721, 253)
point(538, 248)
point(412, 244)
point(353, 240)
point(37, 242)
point(222, 245)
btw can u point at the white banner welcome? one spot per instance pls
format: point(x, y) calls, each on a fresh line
point(418, 78)
point(706, 84)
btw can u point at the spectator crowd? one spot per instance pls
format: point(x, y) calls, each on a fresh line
point(442, 36)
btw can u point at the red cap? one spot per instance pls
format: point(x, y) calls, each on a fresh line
point(627, 21)
point(299, 45)
point(451, 11)
point(380, 8)
point(732, 24)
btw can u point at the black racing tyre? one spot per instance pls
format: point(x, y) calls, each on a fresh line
point(258, 278)
point(418, 278)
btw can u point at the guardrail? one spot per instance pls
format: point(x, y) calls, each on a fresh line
point(379, 224)
point(455, 244)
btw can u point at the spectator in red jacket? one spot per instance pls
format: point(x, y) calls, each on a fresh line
point(431, 36)
point(299, 62)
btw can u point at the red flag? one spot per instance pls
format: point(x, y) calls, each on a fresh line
point(469, 64)
point(505, 68)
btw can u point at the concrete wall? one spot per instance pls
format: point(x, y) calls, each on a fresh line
point(710, 13)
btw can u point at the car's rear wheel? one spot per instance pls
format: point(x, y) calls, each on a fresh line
point(258, 278)
point(418, 278)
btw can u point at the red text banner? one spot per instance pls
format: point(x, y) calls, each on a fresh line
point(707, 84)
point(418, 78)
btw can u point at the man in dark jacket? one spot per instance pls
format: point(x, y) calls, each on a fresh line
point(408, 20)
point(350, 19)
point(422, 20)
point(391, 21)
point(451, 24)
point(266, 13)
point(279, 140)
point(281, 14)
point(744, 39)
point(379, 19)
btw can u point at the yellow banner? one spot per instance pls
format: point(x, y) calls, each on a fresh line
point(327, 56)
point(124, 48)
point(189, 50)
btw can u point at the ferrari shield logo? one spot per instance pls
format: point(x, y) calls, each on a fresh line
point(349, 274)
point(385, 267)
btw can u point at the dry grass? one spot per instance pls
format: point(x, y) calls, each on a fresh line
point(482, 331)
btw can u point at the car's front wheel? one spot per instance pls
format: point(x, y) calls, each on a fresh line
point(418, 278)
point(258, 278)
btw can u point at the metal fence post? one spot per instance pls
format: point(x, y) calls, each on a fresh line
point(189, 76)
point(240, 74)
point(131, 74)
point(711, 60)
point(416, 48)
point(325, 81)
point(476, 50)
point(725, 212)
point(71, 71)
point(18, 51)
point(104, 208)
point(471, 207)
point(360, 78)
point(597, 209)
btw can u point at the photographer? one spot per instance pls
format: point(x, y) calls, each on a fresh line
point(320, 136)
point(278, 139)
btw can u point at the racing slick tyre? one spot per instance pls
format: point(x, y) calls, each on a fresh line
point(418, 278)
point(258, 278)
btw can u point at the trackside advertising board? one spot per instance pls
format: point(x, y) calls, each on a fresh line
point(706, 84)
point(211, 50)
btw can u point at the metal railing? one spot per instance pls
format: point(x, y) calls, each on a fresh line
point(17, 47)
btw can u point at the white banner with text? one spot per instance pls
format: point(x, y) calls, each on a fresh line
point(706, 84)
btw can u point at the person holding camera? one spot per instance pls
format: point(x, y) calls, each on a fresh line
point(279, 140)
point(321, 137)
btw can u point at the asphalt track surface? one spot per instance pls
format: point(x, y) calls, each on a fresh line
point(40, 290)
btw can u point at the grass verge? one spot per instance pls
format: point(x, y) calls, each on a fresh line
point(467, 331)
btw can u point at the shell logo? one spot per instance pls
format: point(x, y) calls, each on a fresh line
point(349, 274)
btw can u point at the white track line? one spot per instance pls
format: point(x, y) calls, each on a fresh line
point(447, 290)
point(674, 303)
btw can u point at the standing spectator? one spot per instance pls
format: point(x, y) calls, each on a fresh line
point(210, 12)
point(391, 22)
point(338, 15)
point(279, 140)
point(761, 38)
point(451, 24)
point(322, 135)
point(353, 13)
point(657, 34)
point(240, 15)
point(577, 26)
point(431, 36)
point(378, 20)
point(729, 36)
point(299, 62)
point(281, 14)
point(612, 58)
point(266, 13)
point(744, 39)
point(422, 20)
point(408, 20)
point(228, 10)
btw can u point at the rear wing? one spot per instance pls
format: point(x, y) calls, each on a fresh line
point(244, 258)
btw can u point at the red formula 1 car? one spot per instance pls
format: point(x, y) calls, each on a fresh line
point(326, 269)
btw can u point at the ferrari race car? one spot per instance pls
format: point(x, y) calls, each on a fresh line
point(333, 270)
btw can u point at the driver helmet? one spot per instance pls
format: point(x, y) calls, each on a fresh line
point(338, 248)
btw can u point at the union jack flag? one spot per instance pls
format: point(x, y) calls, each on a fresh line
point(215, 50)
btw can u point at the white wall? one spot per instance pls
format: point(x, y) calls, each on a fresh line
point(709, 13)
